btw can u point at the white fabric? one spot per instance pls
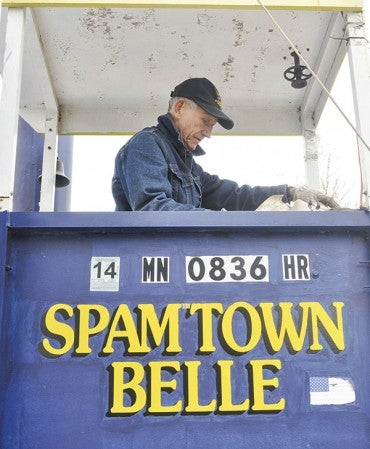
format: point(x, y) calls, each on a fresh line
point(275, 202)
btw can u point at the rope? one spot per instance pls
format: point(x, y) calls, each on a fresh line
point(314, 74)
point(324, 89)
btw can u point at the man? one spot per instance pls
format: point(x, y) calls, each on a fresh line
point(156, 170)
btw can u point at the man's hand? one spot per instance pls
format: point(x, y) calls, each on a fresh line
point(312, 197)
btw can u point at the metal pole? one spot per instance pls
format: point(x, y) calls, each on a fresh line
point(359, 63)
point(50, 154)
point(63, 195)
point(311, 153)
point(9, 106)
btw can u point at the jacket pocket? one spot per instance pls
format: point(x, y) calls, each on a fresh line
point(185, 188)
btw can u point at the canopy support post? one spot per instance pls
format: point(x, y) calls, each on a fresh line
point(312, 172)
point(359, 64)
point(9, 105)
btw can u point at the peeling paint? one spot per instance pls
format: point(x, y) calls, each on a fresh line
point(112, 60)
point(97, 20)
point(65, 48)
point(205, 21)
point(238, 27)
point(152, 63)
point(228, 67)
point(185, 43)
point(76, 74)
point(94, 50)
point(260, 58)
point(144, 20)
point(254, 73)
point(100, 20)
point(185, 39)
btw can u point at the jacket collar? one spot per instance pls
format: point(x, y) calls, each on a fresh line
point(166, 124)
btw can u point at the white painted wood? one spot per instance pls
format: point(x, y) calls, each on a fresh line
point(1, 54)
point(311, 159)
point(40, 65)
point(49, 161)
point(339, 5)
point(3, 23)
point(47, 110)
point(119, 121)
point(359, 63)
point(111, 74)
point(9, 106)
point(327, 64)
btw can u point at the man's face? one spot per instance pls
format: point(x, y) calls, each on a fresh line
point(192, 124)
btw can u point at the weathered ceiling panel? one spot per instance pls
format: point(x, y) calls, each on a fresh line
point(113, 68)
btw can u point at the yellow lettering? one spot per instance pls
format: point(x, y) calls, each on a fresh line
point(170, 321)
point(334, 331)
point(254, 326)
point(287, 327)
point(259, 384)
point(101, 316)
point(157, 385)
point(123, 327)
point(226, 403)
point(193, 405)
point(132, 387)
point(61, 332)
point(205, 327)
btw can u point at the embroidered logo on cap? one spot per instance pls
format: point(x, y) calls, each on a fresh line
point(218, 100)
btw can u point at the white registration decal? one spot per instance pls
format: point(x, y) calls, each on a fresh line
point(251, 268)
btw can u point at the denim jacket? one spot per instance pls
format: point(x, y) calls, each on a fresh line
point(154, 171)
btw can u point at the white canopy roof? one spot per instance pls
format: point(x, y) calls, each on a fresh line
point(111, 69)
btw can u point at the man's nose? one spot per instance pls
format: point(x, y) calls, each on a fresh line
point(207, 132)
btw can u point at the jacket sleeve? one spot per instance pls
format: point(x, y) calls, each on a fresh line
point(225, 194)
point(143, 173)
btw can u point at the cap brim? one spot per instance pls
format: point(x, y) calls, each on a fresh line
point(222, 118)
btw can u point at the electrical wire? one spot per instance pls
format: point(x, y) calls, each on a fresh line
point(314, 74)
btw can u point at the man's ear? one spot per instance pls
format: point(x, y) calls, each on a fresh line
point(179, 105)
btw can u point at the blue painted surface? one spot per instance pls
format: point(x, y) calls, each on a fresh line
point(30, 147)
point(192, 221)
point(65, 154)
point(63, 402)
point(3, 262)
point(28, 168)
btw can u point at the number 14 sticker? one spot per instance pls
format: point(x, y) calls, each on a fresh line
point(104, 274)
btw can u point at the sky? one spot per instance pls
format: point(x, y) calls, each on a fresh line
point(249, 160)
point(236, 158)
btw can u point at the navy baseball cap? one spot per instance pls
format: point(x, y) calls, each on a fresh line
point(206, 96)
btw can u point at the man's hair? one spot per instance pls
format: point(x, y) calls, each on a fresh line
point(188, 103)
